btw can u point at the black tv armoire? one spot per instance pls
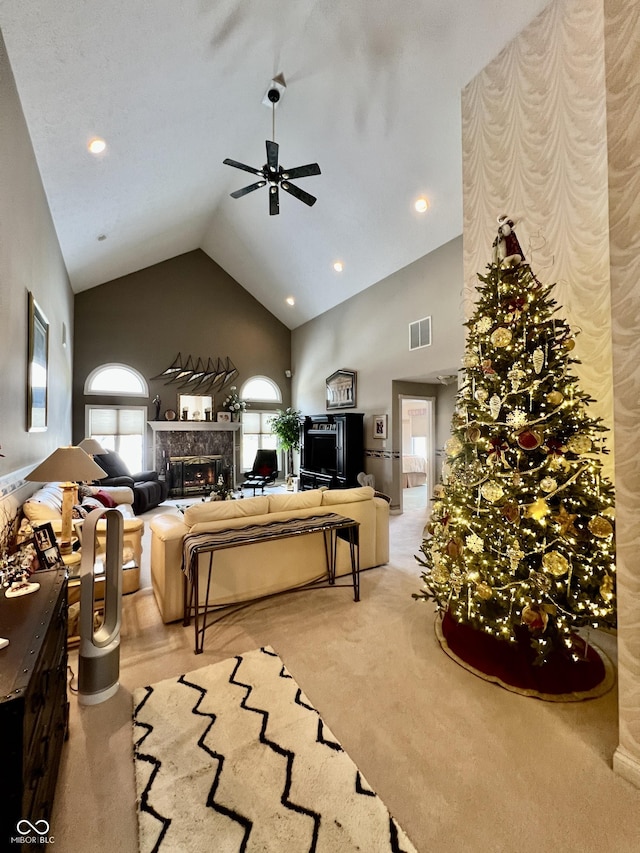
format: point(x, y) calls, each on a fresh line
point(332, 450)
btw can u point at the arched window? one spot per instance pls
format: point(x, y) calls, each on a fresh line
point(117, 379)
point(261, 389)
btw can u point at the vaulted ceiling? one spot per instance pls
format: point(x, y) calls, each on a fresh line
point(372, 95)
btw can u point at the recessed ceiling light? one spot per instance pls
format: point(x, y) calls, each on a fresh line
point(97, 146)
point(290, 300)
point(338, 266)
point(421, 205)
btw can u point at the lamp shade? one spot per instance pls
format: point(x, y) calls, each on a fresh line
point(91, 446)
point(66, 463)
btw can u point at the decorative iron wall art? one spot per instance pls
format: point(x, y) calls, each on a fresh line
point(198, 378)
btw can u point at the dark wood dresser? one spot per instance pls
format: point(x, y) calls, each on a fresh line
point(34, 710)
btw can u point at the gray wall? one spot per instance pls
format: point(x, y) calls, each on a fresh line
point(369, 333)
point(30, 260)
point(186, 305)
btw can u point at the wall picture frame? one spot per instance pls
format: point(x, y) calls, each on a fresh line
point(341, 390)
point(37, 367)
point(380, 426)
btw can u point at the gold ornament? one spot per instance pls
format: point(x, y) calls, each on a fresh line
point(470, 359)
point(483, 325)
point(473, 434)
point(554, 563)
point(538, 510)
point(484, 591)
point(565, 520)
point(517, 418)
point(534, 617)
point(606, 588)
point(517, 478)
point(554, 398)
point(454, 548)
point(481, 395)
point(579, 443)
point(515, 376)
point(491, 491)
point(600, 527)
point(569, 344)
point(453, 446)
point(457, 581)
point(495, 404)
point(515, 554)
point(548, 484)
point(501, 337)
point(538, 360)
point(439, 574)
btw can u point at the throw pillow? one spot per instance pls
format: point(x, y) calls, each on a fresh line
point(105, 499)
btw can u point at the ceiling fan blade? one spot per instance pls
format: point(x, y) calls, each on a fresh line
point(242, 166)
point(249, 189)
point(272, 156)
point(274, 201)
point(301, 171)
point(298, 193)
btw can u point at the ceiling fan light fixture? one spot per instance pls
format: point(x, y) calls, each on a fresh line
point(272, 172)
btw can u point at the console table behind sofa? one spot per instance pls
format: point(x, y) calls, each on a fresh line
point(264, 568)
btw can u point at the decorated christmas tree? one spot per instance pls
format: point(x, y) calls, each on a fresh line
point(521, 537)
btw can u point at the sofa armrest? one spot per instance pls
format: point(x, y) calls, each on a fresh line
point(167, 528)
point(120, 494)
point(115, 481)
point(144, 476)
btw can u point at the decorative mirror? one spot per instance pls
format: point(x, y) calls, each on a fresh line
point(193, 407)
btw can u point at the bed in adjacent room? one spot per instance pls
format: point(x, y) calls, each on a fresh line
point(414, 471)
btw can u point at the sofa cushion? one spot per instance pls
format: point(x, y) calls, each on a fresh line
point(112, 464)
point(345, 496)
point(105, 499)
point(295, 500)
point(214, 510)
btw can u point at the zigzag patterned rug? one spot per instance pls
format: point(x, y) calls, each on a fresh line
point(233, 757)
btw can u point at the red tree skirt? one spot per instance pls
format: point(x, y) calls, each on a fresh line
point(511, 664)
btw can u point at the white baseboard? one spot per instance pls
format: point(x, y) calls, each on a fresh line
point(627, 766)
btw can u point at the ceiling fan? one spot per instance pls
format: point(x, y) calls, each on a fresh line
point(273, 174)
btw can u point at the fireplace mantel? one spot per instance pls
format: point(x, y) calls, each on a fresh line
point(192, 426)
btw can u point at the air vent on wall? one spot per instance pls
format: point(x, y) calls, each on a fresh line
point(420, 333)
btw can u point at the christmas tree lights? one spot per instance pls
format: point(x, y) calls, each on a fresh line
point(521, 532)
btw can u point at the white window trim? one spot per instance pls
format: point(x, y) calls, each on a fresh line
point(97, 370)
point(267, 379)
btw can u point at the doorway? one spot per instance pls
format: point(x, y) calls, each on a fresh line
point(417, 470)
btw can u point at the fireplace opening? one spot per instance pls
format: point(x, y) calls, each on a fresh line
point(193, 475)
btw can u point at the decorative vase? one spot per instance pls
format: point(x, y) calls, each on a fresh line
point(235, 417)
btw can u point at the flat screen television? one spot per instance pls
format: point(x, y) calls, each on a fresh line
point(322, 456)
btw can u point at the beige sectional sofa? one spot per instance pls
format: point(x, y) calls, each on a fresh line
point(264, 568)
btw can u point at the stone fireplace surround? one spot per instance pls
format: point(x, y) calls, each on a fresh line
point(196, 438)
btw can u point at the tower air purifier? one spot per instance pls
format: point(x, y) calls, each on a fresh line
point(99, 656)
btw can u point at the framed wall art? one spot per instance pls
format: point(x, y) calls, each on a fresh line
point(341, 390)
point(379, 426)
point(37, 368)
point(223, 417)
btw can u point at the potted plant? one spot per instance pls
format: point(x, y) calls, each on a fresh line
point(285, 425)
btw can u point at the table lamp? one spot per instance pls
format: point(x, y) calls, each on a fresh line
point(67, 466)
point(92, 447)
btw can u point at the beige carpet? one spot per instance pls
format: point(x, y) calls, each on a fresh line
point(462, 764)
